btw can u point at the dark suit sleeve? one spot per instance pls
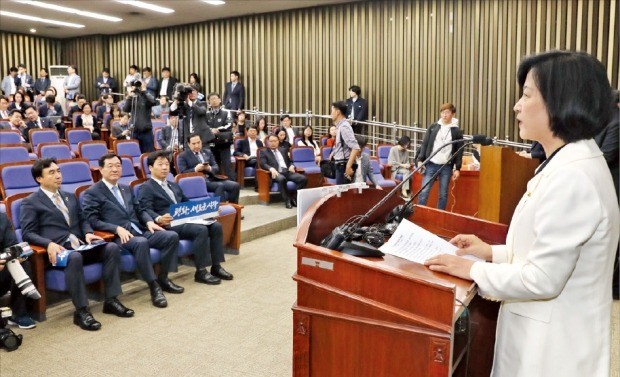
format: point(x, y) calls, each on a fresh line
point(241, 150)
point(29, 220)
point(146, 196)
point(609, 143)
point(422, 154)
point(92, 205)
point(6, 230)
point(164, 137)
point(363, 113)
point(84, 223)
point(184, 163)
point(458, 159)
point(215, 169)
point(226, 93)
point(264, 160)
point(78, 122)
point(241, 96)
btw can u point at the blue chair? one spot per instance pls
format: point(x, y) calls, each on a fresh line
point(92, 150)
point(76, 135)
point(303, 157)
point(156, 133)
point(325, 152)
point(59, 151)
point(75, 173)
point(14, 153)
point(164, 117)
point(128, 174)
point(10, 137)
point(383, 151)
point(193, 186)
point(129, 148)
point(382, 181)
point(42, 135)
point(144, 166)
point(158, 123)
point(16, 178)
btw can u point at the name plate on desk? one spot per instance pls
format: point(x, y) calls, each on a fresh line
point(317, 263)
point(197, 212)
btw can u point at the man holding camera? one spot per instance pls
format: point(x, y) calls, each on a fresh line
point(220, 122)
point(18, 301)
point(139, 104)
point(192, 112)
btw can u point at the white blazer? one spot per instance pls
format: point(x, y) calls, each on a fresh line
point(554, 274)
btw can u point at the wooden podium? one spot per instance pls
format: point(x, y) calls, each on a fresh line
point(385, 316)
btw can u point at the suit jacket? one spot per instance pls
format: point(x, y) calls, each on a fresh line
point(165, 136)
point(234, 99)
point(105, 213)
point(243, 146)
point(104, 90)
point(559, 251)
point(7, 234)
point(152, 86)
point(172, 81)
point(41, 86)
point(360, 106)
point(426, 149)
point(27, 79)
point(72, 82)
point(154, 200)
point(45, 123)
point(6, 84)
point(117, 130)
point(101, 111)
point(45, 111)
point(366, 170)
point(96, 127)
point(187, 161)
point(142, 111)
point(42, 222)
point(268, 159)
point(199, 119)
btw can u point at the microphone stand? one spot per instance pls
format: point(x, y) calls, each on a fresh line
point(344, 232)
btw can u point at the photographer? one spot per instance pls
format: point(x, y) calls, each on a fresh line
point(18, 301)
point(192, 112)
point(139, 104)
point(220, 122)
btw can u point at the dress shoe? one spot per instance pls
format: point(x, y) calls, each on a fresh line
point(221, 273)
point(157, 296)
point(168, 286)
point(113, 306)
point(85, 320)
point(202, 276)
point(289, 205)
point(294, 202)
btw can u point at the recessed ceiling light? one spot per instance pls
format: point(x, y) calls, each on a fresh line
point(69, 10)
point(33, 30)
point(144, 5)
point(39, 19)
point(214, 2)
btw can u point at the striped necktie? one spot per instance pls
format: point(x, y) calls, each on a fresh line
point(73, 240)
point(119, 198)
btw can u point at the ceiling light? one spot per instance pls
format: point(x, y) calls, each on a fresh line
point(33, 30)
point(214, 2)
point(69, 10)
point(39, 19)
point(143, 5)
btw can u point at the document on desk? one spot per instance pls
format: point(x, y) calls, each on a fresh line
point(416, 244)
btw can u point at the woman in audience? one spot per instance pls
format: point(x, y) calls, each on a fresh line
point(88, 120)
point(163, 107)
point(308, 141)
point(116, 116)
point(241, 124)
point(261, 126)
point(331, 140)
point(19, 101)
point(194, 79)
point(283, 137)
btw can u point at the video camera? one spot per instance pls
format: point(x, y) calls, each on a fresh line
point(181, 91)
point(11, 256)
point(136, 84)
point(8, 339)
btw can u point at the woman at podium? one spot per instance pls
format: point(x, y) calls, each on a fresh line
point(553, 276)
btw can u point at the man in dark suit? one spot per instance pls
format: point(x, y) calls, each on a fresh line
point(80, 100)
point(139, 105)
point(357, 109)
point(105, 83)
point(113, 208)
point(35, 122)
point(276, 160)
point(25, 80)
point(42, 83)
point(157, 195)
point(234, 93)
point(166, 83)
point(107, 101)
point(193, 114)
point(247, 148)
point(20, 315)
point(171, 136)
point(201, 160)
point(52, 219)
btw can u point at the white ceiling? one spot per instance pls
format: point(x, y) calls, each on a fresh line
point(186, 12)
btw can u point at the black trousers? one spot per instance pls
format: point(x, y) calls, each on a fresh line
point(208, 242)
point(226, 190)
point(140, 246)
point(222, 157)
point(283, 177)
point(18, 301)
point(146, 140)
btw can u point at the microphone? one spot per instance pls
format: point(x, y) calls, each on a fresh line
point(344, 232)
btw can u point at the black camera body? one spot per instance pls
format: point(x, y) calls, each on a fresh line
point(181, 91)
point(136, 84)
point(8, 339)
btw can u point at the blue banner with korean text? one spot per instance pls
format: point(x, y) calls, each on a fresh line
point(198, 212)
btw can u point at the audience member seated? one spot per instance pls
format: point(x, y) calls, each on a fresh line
point(19, 103)
point(116, 117)
point(16, 123)
point(331, 140)
point(398, 159)
point(283, 140)
point(157, 195)
point(247, 148)
point(241, 124)
point(201, 160)
point(171, 136)
point(121, 129)
point(194, 79)
point(107, 102)
point(113, 208)
point(88, 120)
point(4, 107)
point(286, 125)
point(261, 127)
point(34, 121)
point(80, 101)
point(52, 219)
point(276, 160)
point(50, 107)
point(364, 171)
point(308, 141)
point(20, 315)
point(163, 107)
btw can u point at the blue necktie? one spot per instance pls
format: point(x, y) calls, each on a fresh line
point(117, 195)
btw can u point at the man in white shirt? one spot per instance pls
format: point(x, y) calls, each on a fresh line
point(166, 84)
point(246, 148)
point(71, 83)
point(131, 78)
point(285, 122)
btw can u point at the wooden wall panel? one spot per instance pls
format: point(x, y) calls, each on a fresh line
point(34, 52)
point(407, 56)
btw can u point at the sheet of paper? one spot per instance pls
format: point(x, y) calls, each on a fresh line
point(416, 244)
point(202, 221)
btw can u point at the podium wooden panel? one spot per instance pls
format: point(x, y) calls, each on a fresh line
point(462, 193)
point(385, 316)
point(503, 180)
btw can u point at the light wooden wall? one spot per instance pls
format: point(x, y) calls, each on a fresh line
point(407, 56)
point(34, 52)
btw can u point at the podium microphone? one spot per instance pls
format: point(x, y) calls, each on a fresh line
point(340, 234)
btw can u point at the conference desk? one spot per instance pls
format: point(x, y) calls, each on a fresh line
point(386, 316)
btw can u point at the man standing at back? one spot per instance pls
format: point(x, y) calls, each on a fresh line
point(357, 109)
point(112, 207)
point(51, 218)
point(71, 83)
point(234, 93)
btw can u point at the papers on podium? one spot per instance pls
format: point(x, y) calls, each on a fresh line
point(63, 257)
point(195, 212)
point(416, 244)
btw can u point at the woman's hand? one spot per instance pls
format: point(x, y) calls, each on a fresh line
point(469, 244)
point(451, 264)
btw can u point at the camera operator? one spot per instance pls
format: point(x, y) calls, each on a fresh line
point(192, 112)
point(18, 301)
point(220, 122)
point(139, 104)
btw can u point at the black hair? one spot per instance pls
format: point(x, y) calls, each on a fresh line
point(41, 164)
point(616, 96)
point(134, 67)
point(195, 76)
point(165, 69)
point(213, 94)
point(44, 70)
point(404, 141)
point(12, 69)
point(153, 156)
point(575, 89)
point(79, 97)
point(15, 111)
point(106, 70)
point(4, 98)
point(74, 67)
point(28, 107)
point(193, 134)
point(21, 65)
point(284, 116)
point(50, 98)
point(341, 106)
point(108, 156)
point(356, 89)
point(236, 73)
point(362, 141)
point(146, 69)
